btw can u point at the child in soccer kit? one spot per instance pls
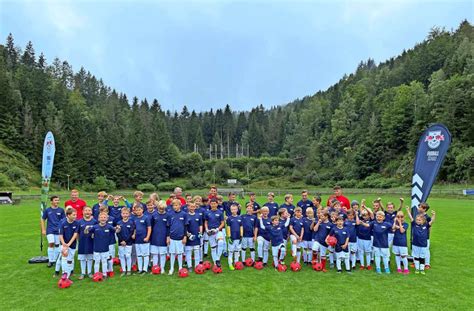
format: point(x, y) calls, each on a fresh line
point(101, 199)
point(125, 241)
point(53, 215)
point(214, 223)
point(150, 209)
point(101, 233)
point(85, 250)
point(342, 245)
point(307, 242)
point(275, 231)
point(321, 230)
point(390, 215)
point(271, 204)
point(380, 229)
point(288, 204)
point(249, 225)
point(364, 239)
point(142, 238)
point(423, 209)
point(177, 235)
point(305, 203)
point(234, 232)
point(252, 200)
point(194, 227)
point(159, 234)
point(420, 232)
point(399, 248)
point(231, 201)
point(296, 234)
point(263, 236)
point(220, 206)
point(68, 232)
point(115, 210)
point(350, 224)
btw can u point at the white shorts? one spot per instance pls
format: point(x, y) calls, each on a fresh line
point(194, 248)
point(342, 255)
point(364, 245)
point(276, 249)
point(85, 256)
point(317, 247)
point(294, 240)
point(70, 254)
point(159, 250)
point(215, 237)
point(125, 250)
point(248, 243)
point(176, 247)
point(383, 252)
point(142, 249)
point(53, 239)
point(353, 247)
point(307, 244)
point(234, 246)
point(266, 244)
point(400, 250)
point(101, 256)
point(331, 249)
point(112, 250)
point(390, 239)
point(418, 252)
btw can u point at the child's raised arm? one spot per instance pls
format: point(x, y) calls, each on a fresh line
point(401, 204)
point(433, 216)
point(409, 213)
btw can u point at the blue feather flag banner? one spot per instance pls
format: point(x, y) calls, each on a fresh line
point(49, 149)
point(432, 148)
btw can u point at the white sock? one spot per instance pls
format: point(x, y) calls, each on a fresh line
point(172, 259)
point(214, 254)
point(180, 261)
point(298, 255)
point(51, 254)
point(236, 256)
point(252, 255)
point(347, 264)
point(398, 262)
point(353, 259)
point(104, 267)
point(140, 263)
point(417, 264)
point(89, 265)
point(146, 262)
point(155, 259)
point(377, 262)
point(243, 253)
point(338, 265)
point(405, 262)
point(265, 256)
point(230, 258)
point(110, 265)
point(189, 258)
point(83, 266)
point(197, 258)
point(368, 257)
point(275, 260)
point(96, 266)
point(162, 262)
point(123, 263)
point(293, 250)
point(385, 263)
point(206, 246)
point(331, 258)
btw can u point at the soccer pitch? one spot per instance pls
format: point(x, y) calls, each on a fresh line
point(447, 285)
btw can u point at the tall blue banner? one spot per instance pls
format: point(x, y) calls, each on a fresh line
point(432, 148)
point(49, 148)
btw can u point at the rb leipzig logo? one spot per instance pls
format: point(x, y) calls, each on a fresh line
point(434, 139)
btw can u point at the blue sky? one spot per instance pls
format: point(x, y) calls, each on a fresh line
point(206, 54)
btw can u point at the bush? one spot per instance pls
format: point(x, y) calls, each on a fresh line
point(347, 183)
point(222, 170)
point(15, 173)
point(4, 180)
point(22, 182)
point(101, 183)
point(378, 181)
point(245, 180)
point(166, 186)
point(263, 169)
point(296, 176)
point(197, 181)
point(146, 187)
point(312, 179)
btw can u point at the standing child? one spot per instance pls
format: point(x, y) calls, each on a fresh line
point(86, 244)
point(288, 204)
point(54, 215)
point(115, 210)
point(275, 231)
point(159, 234)
point(68, 232)
point(252, 200)
point(271, 204)
point(193, 242)
point(380, 230)
point(350, 224)
point(322, 229)
point(296, 237)
point(305, 203)
point(229, 203)
point(307, 244)
point(213, 224)
point(263, 237)
point(125, 241)
point(364, 239)
point(390, 215)
point(249, 225)
point(100, 201)
point(342, 245)
point(177, 235)
point(419, 247)
point(422, 210)
point(142, 238)
point(234, 231)
point(400, 249)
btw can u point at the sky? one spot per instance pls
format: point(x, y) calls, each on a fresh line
point(207, 54)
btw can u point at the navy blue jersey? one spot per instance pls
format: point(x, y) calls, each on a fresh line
point(141, 228)
point(297, 225)
point(249, 223)
point(150, 214)
point(67, 230)
point(177, 224)
point(160, 229)
point(307, 233)
point(193, 224)
point(220, 207)
point(323, 231)
point(380, 232)
point(304, 205)
point(111, 221)
point(184, 208)
point(351, 229)
point(284, 229)
point(86, 244)
point(364, 233)
point(53, 217)
point(116, 211)
point(263, 232)
point(169, 209)
point(428, 220)
point(272, 207)
point(400, 239)
point(102, 237)
point(289, 208)
point(126, 231)
point(420, 234)
point(228, 204)
point(256, 206)
point(234, 223)
point(275, 232)
point(214, 219)
point(96, 210)
point(341, 235)
point(201, 211)
point(390, 217)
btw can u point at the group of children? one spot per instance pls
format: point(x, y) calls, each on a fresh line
point(157, 231)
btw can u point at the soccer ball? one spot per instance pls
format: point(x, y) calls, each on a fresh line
point(199, 269)
point(332, 241)
point(249, 262)
point(216, 269)
point(239, 265)
point(207, 265)
point(295, 266)
point(134, 268)
point(258, 265)
point(318, 266)
point(281, 268)
point(116, 261)
point(183, 273)
point(156, 269)
point(64, 283)
point(98, 277)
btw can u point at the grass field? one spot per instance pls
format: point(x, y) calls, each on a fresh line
point(448, 285)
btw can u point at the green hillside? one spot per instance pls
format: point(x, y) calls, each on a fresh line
point(16, 172)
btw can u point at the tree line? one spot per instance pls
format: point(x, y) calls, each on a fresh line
point(363, 128)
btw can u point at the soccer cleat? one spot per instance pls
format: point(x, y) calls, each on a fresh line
point(417, 271)
point(349, 271)
point(142, 273)
point(129, 273)
point(218, 263)
point(378, 271)
point(225, 254)
point(339, 271)
point(171, 272)
point(81, 277)
point(50, 264)
point(387, 270)
point(399, 270)
point(361, 268)
point(56, 274)
point(427, 267)
point(123, 274)
point(369, 267)
point(406, 271)
point(90, 275)
point(331, 265)
point(231, 267)
point(422, 272)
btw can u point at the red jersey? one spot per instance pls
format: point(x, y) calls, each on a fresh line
point(344, 201)
point(78, 206)
point(181, 199)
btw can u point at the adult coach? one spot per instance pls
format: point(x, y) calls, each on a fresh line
point(338, 196)
point(178, 192)
point(76, 203)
